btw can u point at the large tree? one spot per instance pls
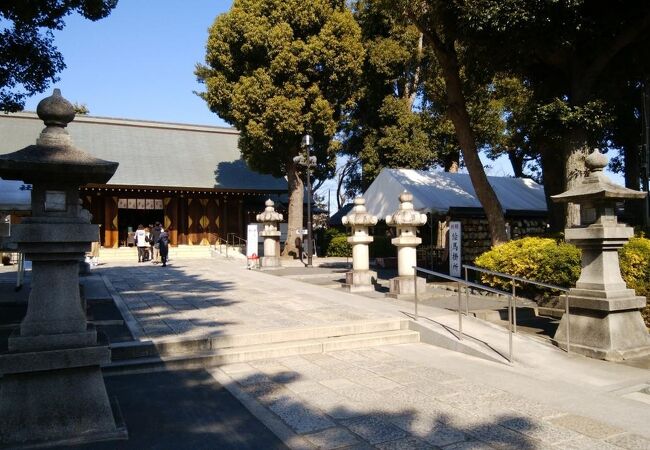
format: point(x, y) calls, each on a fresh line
point(276, 70)
point(567, 51)
point(29, 60)
point(438, 23)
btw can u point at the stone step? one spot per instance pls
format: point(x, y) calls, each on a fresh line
point(184, 251)
point(185, 345)
point(231, 355)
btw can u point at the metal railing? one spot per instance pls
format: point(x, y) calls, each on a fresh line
point(513, 279)
point(235, 241)
point(220, 244)
point(467, 284)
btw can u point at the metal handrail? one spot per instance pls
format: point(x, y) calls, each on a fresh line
point(239, 239)
point(514, 278)
point(467, 285)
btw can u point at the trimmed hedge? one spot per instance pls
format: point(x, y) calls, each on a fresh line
point(339, 246)
point(548, 261)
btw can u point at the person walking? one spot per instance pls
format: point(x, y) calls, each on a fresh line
point(163, 244)
point(140, 237)
point(155, 236)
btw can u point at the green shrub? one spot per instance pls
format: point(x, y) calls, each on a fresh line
point(329, 234)
point(339, 246)
point(538, 259)
point(381, 247)
point(635, 268)
point(545, 260)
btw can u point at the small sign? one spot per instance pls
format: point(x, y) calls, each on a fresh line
point(131, 203)
point(302, 232)
point(55, 201)
point(455, 245)
point(140, 203)
point(158, 203)
point(149, 203)
point(251, 240)
point(122, 203)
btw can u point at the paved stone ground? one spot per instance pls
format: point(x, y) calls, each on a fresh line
point(392, 397)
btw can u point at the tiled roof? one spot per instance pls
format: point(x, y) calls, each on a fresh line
point(152, 153)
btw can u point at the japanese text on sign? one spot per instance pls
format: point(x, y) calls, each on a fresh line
point(455, 257)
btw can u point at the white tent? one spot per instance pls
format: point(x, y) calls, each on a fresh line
point(437, 192)
point(15, 196)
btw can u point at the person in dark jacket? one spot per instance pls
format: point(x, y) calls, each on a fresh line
point(163, 244)
point(155, 235)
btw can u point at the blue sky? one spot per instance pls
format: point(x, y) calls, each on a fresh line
point(138, 63)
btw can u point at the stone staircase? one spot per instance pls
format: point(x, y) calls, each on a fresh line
point(208, 351)
point(131, 253)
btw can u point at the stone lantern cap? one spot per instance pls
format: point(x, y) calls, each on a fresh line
point(359, 216)
point(54, 157)
point(406, 214)
point(269, 214)
point(597, 186)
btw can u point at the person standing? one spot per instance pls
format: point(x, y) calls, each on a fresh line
point(140, 237)
point(163, 244)
point(155, 236)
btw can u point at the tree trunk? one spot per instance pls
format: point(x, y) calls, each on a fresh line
point(553, 180)
point(575, 171)
point(446, 55)
point(517, 163)
point(294, 221)
point(451, 163)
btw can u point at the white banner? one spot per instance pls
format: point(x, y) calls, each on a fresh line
point(455, 245)
point(251, 240)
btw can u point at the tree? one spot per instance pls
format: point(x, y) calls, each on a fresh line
point(566, 51)
point(29, 60)
point(436, 21)
point(276, 70)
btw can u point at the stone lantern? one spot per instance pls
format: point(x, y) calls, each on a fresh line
point(361, 278)
point(605, 320)
point(271, 235)
point(52, 386)
point(406, 221)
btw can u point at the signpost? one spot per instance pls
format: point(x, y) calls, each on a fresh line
point(455, 256)
point(251, 240)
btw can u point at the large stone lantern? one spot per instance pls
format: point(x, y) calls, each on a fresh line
point(52, 387)
point(605, 320)
point(406, 221)
point(361, 278)
point(271, 235)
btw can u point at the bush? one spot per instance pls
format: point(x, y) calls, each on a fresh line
point(339, 246)
point(545, 260)
point(635, 268)
point(538, 259)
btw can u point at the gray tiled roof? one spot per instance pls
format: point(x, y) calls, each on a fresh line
point(152, 153)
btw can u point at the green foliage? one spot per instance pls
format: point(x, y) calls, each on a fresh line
point(635, 268)
point(537, 259)
point(331, 233)
point(277, 69)
point(381, 247)
point(29, 60)
point(339, 246)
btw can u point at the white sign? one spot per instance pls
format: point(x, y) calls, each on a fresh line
point(251, 240)
point(455, 245)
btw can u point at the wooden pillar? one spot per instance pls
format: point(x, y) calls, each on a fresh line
point(240, 218)
point(225, 218)
point(111, 237)
point(182, 221)
point(170, 205)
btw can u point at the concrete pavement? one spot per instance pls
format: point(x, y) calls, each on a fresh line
point(396, 396)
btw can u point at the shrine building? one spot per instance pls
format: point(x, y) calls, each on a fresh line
point(191, 178)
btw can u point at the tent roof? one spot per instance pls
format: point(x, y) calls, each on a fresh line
point(437, 192)
point(152, 153)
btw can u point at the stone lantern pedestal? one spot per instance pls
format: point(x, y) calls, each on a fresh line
point(406, 221)
point(360, 278)
point(52, 388)
point(605, 320)
point(271, 235)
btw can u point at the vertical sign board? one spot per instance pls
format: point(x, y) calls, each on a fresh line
point(455, 257)
point(251, 240)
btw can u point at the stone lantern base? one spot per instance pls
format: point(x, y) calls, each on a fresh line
point(55, 396)
point(610, 329)
point(270, 262)
point(403, 287)
point(360, 280)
